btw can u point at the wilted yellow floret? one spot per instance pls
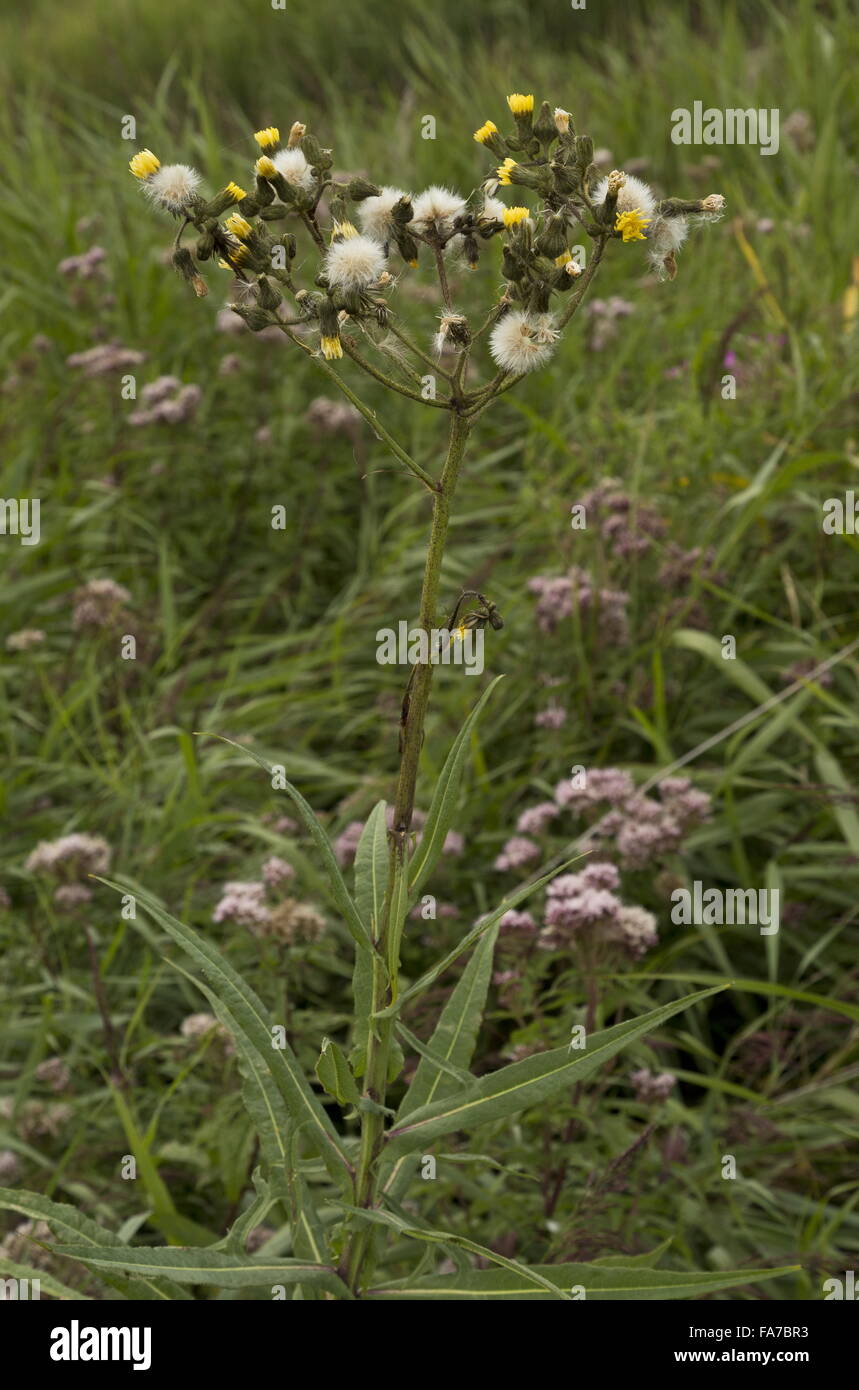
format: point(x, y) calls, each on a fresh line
point(144, 163)
point(503, 171)
point(513, 216)
point(235, 192)
point(236, 224)
point(346, 230)
point(519, 104)
point(564, 258)
point(267, 138)
point(331, 348)
point(265, 167)
point(482, 135)
point(630, 225)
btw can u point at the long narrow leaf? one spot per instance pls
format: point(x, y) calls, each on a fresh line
point(443, 806)
point(529, 1082)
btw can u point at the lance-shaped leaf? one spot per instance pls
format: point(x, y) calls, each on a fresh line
point(529, 1082)
point(456, 1031)
point(371, 881)
point(413, 1231)
point(339, 890)
point(335, 1076)
point(239, 1003)
point(263, 1101)
point(208, 1267)
point(371, 869)
point(600, 1283)
point(45, 1282)
point(68, 1223)
point(443, 807)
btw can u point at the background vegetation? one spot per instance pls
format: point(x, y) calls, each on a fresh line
point(268, 636)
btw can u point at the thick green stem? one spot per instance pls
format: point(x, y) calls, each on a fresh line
point(384, 986)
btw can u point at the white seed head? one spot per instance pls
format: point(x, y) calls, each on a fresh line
point(493, 209)
point(634, 194)
point(172, 186)
point(295, 169)
point(437, 206)
point(354, 263)
point(520, 342)
point(374, 214)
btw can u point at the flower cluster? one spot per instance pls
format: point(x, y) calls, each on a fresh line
point(365, 233)
point(576, 592)
point(166, 401)
point(99, 604)
point(248, 903)
point(69, 860)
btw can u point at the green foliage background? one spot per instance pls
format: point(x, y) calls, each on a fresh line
point(269, 636)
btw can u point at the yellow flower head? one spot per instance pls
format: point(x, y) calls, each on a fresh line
point(502, 173)
point(331, 347)
point(482, 135)
point(346, 230)
point(144, 163)
point(235, 192)
point(520, 104)
point(265, 167)
point(513, 216)
point(631, 224)
point(239, 254)
point(236, 224)
point(459, 632)
point(564, 258)
point(268, 138)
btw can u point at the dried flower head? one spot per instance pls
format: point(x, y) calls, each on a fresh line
point(521, 342)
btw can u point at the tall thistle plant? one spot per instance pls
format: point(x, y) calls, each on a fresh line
point(336, 301)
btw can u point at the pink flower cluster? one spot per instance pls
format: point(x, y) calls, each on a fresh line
point(560, 596)
point(628, 527)
point(98, 603)
point(105, 359)
point(86, 266)
point(70, 859)
point(588, 901)
point(166, 401)
point(650, 1086)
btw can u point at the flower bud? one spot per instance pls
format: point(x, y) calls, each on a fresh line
point(406, 245)
point(269, 297)
point(227, 198)
point(362, 188)
point(552, 241)
point(544, 126)
point(183, 261)
point(584, 151)
point(256, 319)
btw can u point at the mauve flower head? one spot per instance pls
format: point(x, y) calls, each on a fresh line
point(54, 1072)
point(230, 364)
point(85, 266)
point(634, 928)
point(554, 716)
point(536, 818)
point(651, 1086)
point(170, 405)
point(276, 871)
point(600, 784)
point(72, 856)
point(559, 596)
point(515, 923)
point(686, 803)
point(70, 896)
point(98, 603)
point(640, 842)
point(243, 903)
point(104, 359)
point(516, 853)
point(326, 416)
point(584, 908)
